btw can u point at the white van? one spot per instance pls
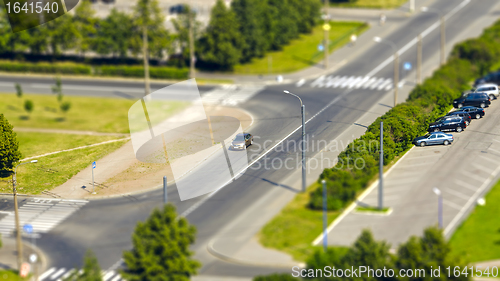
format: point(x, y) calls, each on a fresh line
point(490, 89)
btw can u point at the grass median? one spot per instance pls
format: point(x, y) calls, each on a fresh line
point(478, 238)
point(370, 4)
point(303, 51)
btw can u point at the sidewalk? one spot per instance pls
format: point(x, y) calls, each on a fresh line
point(8, 255)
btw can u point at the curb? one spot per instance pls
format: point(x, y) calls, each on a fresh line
point(226, 258)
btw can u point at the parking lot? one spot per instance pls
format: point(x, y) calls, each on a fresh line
point(462, 171)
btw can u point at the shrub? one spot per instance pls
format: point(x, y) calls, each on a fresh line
point(138, 71)
point(48, 68)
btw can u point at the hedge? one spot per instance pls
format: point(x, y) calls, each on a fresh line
point(138, 71)
point(404, 122)
point(83, 69)
point(48, 68)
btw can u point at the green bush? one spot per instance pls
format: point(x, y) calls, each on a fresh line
point(138, 71)
point(48, 68)
point(403, 123)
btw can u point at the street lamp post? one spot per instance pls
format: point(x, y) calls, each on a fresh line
point(396, 65)
point(16, 211)
point(440, 206)
point(302, 110)
point(443, 32)
point(325, 219)
point(419, 59)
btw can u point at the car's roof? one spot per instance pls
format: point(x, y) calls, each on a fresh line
point(487, 85)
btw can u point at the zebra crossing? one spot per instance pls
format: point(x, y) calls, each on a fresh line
point(42, 213)
point(231, 95)
point(352, 82)
point(59, 274)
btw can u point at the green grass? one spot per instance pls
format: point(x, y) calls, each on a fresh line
point(372, 209)
point(86, 113)
point(9, 275)
point(303, 51)
point(54, 170)
point(296, 227)
point(33, 144)
point(370, 4)
point(478, 238)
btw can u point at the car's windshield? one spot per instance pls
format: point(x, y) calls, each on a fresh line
point(239, 138)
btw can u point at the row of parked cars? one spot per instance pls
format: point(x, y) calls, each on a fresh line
point(469, 106)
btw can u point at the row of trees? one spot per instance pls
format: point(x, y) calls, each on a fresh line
point(431, 252)
point(248, 29)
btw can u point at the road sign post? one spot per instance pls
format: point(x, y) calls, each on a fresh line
point(94, 165)
point(165, 195)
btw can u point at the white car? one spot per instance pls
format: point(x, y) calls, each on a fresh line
point(490, 89)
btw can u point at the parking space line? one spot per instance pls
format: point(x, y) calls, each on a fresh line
point(466, 185)
point(473, 176)
point(451, 204)
point(457, 194)
point(488, 159)
point(494, 150)
point(482, 168)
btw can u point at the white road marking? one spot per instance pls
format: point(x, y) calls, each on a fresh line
point(457, 194)
point(46, 274)
point(300, 83)
point(451, 204)
point(466, 185)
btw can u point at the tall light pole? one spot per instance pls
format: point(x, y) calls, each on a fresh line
point(396, 65)
point(18, 227)
point(302, 110)
point(412, 6)
point(147, 89)
point(443, 32)
point(419, 59)
point(325, 219)
point(192, 59)
point(326, 28)
point(381, 169)
point(440, 206)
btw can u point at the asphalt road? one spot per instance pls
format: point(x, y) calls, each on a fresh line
point(105, 226)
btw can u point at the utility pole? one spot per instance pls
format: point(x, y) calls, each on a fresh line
point(412, 6)
point(325, 220)
point(443, 41)
point(18, 227)
point(419, 59)
point(165, 195)
point(192, 73)
point(146, 59)
point(381, 169)
point(396, 77)
point(326, 29)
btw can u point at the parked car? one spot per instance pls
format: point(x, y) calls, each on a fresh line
point(462, 114)
point(242, 141)
point(474, 99)
point(448, 124)
point(433, 138)
point(473, 111)
point(490, 89)
point(493, 77)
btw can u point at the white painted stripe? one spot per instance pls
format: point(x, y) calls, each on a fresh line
point(378, 82)
point(347, 82)
point(369, 83)
point(389, 86)
point(489, 159)
point(354, 82)
point(363, 81)
point(300, 83)
point(66, 275)
point(339, 81)
point(384, 84)
point(320, 82)
point(466, 185)
point(117, 277)
point(58, 273)
point(483, 168)
point(331, 81)
point(108, 275)
point(457, 194)
point(46, 273)
point(451, 204)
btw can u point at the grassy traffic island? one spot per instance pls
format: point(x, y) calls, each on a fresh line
point(303, 51)
point(45, 129)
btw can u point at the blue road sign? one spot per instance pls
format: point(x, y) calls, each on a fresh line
point(320, 48)
point(93, 165)
point(407, 66)
point(28, 228)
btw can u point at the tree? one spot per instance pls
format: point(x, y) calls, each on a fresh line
point(57, 89)
point(222, 42)
point(430, 251)
point(161, 248)
point(182, 24)
point(91, 270)
point(19, 91)
point(249, 14)
point(65, 106)
point(63, 34)
point(28, 106)
point(9, 146)
point(114, 35)
point(149, 21)
point(84, 21)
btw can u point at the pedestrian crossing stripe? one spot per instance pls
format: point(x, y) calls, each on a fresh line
point(59, 274)
point(42, 213)
point(351, 82)
point(231, 95)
